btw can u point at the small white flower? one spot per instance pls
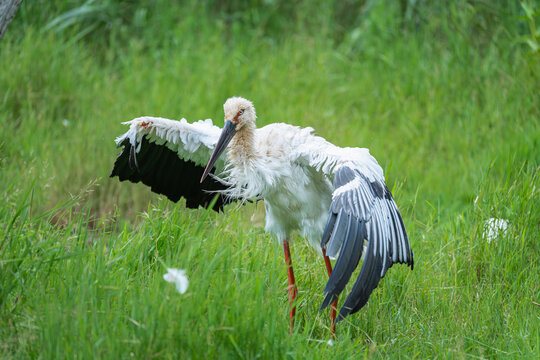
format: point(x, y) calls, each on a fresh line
point(65, 122)
point(330, 342)
point(177, 277)
point(493, 228)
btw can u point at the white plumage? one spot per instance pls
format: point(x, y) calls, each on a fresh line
point(194, 142)
point(336, 197)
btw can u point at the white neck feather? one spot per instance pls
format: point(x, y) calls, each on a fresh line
point(242, 148)
point(243, 164)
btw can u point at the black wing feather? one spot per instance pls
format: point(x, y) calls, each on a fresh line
point(328, 228)
point(346, 262)
point(371, 214)
point(160, 168)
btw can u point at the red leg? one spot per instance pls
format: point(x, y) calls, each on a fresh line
point(292, 285)
point(333, 309)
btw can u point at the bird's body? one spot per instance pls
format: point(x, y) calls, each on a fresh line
point(335, 197)
point(295, 197)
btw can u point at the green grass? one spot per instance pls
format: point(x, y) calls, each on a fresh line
point(453, 119)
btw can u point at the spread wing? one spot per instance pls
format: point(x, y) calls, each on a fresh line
point(362, 209)
point(170, 156)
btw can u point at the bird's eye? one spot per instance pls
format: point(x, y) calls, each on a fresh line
point(241, 112)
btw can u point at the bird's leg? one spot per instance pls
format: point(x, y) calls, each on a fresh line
point(292, 285)
point(333, 308)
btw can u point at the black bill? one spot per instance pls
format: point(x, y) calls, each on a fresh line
point(226, 135)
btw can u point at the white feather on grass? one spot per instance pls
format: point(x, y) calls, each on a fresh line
point(178, 277)
point(494, 227)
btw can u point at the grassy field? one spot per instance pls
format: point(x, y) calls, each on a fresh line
point(447, 99)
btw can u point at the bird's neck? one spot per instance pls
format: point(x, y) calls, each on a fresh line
point(242, 149)
point(243, 160)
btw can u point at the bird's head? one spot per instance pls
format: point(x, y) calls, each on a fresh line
point(239, 114)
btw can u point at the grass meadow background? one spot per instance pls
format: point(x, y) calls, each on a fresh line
point(446, 95)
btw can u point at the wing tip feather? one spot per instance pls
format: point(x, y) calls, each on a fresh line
point(384, 229)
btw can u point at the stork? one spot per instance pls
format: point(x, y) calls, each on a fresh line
point(336, 197)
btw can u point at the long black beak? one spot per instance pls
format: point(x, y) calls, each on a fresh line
point(226, 135)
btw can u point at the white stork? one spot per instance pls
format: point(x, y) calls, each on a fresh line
point(336, 197)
